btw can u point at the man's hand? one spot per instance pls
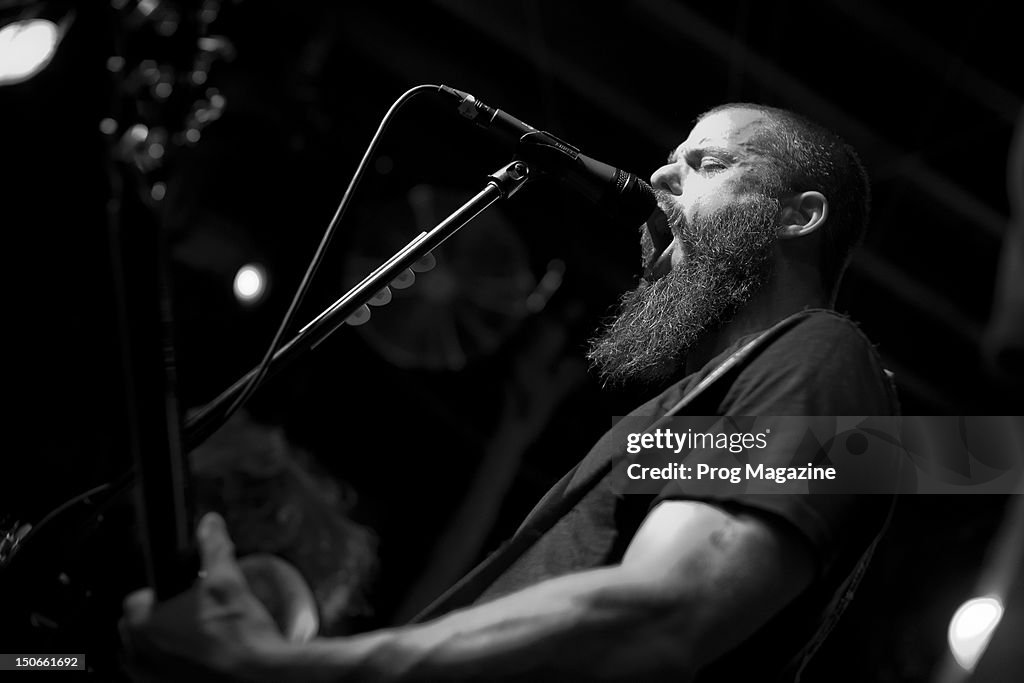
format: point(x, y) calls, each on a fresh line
point(218, 629)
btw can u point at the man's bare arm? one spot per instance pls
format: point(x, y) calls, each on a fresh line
point(694, 583)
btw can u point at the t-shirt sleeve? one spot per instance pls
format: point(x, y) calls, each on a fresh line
point(822, 366)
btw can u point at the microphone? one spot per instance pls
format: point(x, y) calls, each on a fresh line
point(619, 193)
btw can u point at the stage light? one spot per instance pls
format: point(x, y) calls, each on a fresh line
point(26, 47)
point(250, 283)
point(972, 627)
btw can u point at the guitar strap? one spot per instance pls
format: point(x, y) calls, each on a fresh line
point(570, 490)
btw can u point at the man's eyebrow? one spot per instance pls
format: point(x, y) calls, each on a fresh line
point(728, 155)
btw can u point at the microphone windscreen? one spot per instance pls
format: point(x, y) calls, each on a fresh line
point(633, 200)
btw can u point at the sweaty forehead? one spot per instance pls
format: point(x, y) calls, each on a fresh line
point(732, 129)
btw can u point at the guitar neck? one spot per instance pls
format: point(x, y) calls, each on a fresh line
point(163, 500)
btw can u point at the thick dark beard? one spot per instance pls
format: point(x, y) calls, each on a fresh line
point(728, 260)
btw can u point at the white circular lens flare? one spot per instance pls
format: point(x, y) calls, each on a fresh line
point(971, 628)
point(250, 283)
point(25, 48)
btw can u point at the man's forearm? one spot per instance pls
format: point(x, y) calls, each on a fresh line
point(604, 624)
point(694, 582)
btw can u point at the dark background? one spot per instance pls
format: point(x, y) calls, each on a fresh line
point(465, 396)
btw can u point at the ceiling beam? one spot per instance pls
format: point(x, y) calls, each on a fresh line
point(901, 36)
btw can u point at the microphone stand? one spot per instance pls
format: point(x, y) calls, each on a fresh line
point(501, 184)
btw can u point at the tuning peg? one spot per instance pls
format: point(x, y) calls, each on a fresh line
point(404, 279)
point(425, 263)
point(359, 317)
point(381, 298)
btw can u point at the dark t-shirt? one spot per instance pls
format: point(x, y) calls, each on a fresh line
point(814, 363)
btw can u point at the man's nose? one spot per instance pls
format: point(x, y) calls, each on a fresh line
point(669, 178)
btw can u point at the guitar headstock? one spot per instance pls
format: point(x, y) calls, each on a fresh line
point(163, 100)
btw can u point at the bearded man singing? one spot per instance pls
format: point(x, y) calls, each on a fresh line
point(759, 210)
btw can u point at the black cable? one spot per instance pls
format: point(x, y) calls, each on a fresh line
point(314, 265)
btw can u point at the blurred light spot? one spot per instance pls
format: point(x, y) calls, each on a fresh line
point(163, 90)
point(156, 150)
point(535, 303)
point(115, 63)
point(150, 71)
point(146, 7)
point(384, 165)
point(108, 126)
point(26, 47)
point(218, 101)
point(167, 27)
point(158, 191)
point(139, 132)
point(971, 628)
point(199, 77)
point(547, 286)
point(192, 135)
point(209, 43)
point(218, 45)
point(250, 283)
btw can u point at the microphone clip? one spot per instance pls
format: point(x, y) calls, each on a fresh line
point(510, 177)
point(547, 152)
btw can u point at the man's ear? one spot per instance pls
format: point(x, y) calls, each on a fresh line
point(802, 214)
